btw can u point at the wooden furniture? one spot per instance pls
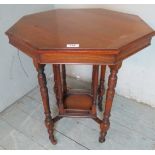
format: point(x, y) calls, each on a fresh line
point(97, 37)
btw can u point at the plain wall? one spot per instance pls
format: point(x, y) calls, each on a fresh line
point(14, 82)
point(137, 75)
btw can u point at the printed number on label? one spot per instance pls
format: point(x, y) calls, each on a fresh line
point(72, 45)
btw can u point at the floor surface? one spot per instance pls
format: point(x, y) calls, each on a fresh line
point(22, 125)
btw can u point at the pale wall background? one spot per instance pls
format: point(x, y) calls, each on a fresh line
point(137, 75)
point(14, 83)
point(136, 78)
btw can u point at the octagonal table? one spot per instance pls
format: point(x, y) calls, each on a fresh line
point(97, 37)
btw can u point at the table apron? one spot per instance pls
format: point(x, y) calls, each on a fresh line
point(63, 58)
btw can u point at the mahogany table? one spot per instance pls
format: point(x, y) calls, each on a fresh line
point(97, 37)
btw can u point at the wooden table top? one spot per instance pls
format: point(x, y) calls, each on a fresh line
point(107, 31)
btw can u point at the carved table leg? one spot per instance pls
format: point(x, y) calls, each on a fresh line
point(55, 86)
point(101, 88)
point(64, 79)
point(58, 87)
point(104, 126)
point(45, 98)
point(94, 87)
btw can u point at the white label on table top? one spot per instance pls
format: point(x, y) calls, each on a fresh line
point(73, 45)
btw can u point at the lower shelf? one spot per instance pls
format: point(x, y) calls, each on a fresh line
point(78, 101)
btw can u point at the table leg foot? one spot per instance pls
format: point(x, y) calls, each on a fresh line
point(104, 126)
point(102, 137)
point(50, 127)
point(52, 139)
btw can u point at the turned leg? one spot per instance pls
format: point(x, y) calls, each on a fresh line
point(55, 86)
point(58, 87)
point(94, 87)
point(101, 88)
point(104, 126)
point(45, 98)
point(64, 79)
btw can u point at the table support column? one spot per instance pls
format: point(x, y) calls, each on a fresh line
point(104, 126)
point(101, 89)
point(58, 87)
point(94, 87)
point(45, 98)
point(64, 79)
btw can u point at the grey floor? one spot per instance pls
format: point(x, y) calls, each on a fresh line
point(22, 126)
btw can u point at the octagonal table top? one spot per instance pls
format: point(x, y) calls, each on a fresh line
point(96, 30)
